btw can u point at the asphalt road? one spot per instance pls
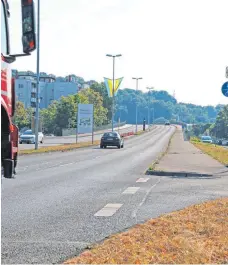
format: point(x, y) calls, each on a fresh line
point(59, 140)
point(50, 212)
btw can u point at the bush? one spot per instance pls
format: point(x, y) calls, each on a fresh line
point(195, 139)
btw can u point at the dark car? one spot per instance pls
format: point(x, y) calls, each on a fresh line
point(111, 139)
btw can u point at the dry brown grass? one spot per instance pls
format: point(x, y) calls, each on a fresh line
point(217, 152)
point(197, 234)
point(57, 148)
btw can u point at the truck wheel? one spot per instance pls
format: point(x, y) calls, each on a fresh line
point(8, 168)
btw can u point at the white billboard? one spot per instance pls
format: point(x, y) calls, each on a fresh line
point(85, 118)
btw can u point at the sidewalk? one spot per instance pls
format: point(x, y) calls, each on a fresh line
point(184, 158)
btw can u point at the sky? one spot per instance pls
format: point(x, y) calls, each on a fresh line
point(178, 45)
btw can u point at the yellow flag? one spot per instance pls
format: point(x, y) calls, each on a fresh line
point(109, 85)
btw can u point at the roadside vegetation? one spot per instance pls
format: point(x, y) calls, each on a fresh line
point(217, 152)
point(62, 114)
point(57, 148)
point(195, 235)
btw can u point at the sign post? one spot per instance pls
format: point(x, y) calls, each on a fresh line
point(227, 72)
point(85, 119)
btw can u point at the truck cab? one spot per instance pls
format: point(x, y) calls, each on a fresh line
point(9, 131)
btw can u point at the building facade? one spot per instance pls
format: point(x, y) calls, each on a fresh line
point(50, 88)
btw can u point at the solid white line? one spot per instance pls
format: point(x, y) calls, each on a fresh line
point(131, 190)
point(134, 213)
point(142, 179)
point(108, 210)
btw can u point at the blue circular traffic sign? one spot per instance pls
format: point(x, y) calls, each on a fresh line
point(225, 89)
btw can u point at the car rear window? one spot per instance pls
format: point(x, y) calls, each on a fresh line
point(110, 134)
point(206, 138)
point(28, 132)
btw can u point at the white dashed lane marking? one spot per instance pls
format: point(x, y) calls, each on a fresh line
point(66, 164)
point(131, 190)
point(109, 209)
point(142, 180)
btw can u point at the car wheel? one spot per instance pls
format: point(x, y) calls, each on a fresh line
point(42, 141)
point(105, 146)
point(119, 146)
point(101, 146)
point(122, 146)
point(20, 142)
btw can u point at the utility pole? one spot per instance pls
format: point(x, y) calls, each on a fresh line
point(136, 111)
point(37, 75)
point(149, 89)
point(113, 87)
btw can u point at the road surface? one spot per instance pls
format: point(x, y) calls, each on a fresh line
point(55, 206)
point(59, 140)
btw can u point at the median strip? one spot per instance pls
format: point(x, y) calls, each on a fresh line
point(58, 148)
point(195, 235)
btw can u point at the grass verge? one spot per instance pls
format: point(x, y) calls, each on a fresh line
point(217, 152)
point(195, 235)
point(57, 148)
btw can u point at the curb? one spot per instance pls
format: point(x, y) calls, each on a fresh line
point(176, 174)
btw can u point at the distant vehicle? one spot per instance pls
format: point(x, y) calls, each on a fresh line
point(167, 123)
point(225, 142)
point(29, 137)
point(49, 134)
point(111, 139)
point(206, 139)
point(219, 142)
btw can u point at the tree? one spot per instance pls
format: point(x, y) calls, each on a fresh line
point(95, 98)
point(65, 114)
point(20, 117)
point(220, 129)
point(49, 118)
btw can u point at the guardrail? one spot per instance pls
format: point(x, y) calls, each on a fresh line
point(72, 131)
point(127, 134)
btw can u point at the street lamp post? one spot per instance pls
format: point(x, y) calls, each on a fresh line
point(37, 75)
point(149, 89)
point(113, 85)
point(136, 111)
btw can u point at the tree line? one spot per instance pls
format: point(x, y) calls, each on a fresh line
point(160, 105)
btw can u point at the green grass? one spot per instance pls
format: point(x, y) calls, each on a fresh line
point(58, 148)
point(217, 152)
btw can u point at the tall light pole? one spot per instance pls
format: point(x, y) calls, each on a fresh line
point(136, 111)
point(37, 75)
point(149, 89)
point(113, 85)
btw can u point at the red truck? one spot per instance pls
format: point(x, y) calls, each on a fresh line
point(9, 131)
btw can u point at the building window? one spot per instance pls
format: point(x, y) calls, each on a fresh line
point(33, 95)
point(33, 85)
point(21, 86)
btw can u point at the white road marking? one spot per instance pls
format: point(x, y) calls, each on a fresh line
point(109, 209)
point(131, 190)
point(134, 213)
point(66, 164)
point(142, 179)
